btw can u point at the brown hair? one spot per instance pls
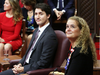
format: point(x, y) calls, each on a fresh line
point(16, 10)
point(29, 2)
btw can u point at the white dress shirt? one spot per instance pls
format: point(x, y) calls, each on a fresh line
point(59, 3)
point(58, 6)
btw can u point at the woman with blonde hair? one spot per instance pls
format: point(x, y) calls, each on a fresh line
point(10, 26)
point(83, 52)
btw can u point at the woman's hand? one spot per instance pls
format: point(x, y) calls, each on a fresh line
point(2, 40)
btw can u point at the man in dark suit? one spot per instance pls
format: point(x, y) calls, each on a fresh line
point(41, 52)
point(65, 8)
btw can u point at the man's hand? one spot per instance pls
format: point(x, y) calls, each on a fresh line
point(61, 13)
point(17, 69)
point(19, 65)
point(57, 13)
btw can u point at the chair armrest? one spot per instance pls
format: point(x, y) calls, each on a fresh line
point(42, 71)
point(13, 62)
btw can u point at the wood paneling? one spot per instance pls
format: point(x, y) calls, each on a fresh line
point(89, 10)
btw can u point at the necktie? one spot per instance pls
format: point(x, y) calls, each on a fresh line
point(36, 36)
point(60, 4)
point(68, 60)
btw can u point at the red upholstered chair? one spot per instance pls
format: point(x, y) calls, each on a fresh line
point(60, 55)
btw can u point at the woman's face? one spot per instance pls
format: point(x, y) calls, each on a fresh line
point(72, 29)
point(28, 7)
point(7, 5)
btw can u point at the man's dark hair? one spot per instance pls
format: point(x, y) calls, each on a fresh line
point(44, 7)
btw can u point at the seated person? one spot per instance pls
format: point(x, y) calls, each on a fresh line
point(10, 26)
point(42, 47)
point(28, 13)
point(65, 8)
point(83, 53)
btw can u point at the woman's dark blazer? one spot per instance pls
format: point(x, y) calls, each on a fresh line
point(80, 64)
point(24, 12)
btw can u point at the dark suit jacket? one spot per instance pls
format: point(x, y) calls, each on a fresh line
point(80, 64)
point(43, 52)
point(24, 12)
point(68, 4)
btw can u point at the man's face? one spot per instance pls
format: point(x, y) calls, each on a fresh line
point(40, 17)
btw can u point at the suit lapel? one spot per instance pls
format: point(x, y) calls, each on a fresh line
point(31, 42)
point(42, 35)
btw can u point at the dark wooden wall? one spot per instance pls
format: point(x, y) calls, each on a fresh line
point(89, 10)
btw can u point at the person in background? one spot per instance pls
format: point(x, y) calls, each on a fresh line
point(40, 1)
point(1, 5)
point(20, 3)
point(10, 26)
point(28, 13)
point(83, 53)
point(65, 8)
point(43, 45)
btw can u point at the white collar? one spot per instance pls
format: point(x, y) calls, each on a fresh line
point(44, 27)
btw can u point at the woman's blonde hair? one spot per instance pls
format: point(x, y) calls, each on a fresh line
point(85, 40)
point(16, 10)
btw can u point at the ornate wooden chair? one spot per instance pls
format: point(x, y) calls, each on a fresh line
point(21, 49)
